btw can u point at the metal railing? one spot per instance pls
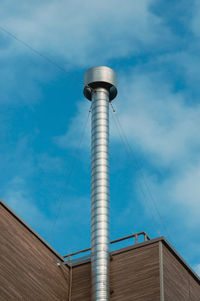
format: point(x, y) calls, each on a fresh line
point(135, 236)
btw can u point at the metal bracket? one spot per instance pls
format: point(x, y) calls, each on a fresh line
point(60, 263)
point(56, 262)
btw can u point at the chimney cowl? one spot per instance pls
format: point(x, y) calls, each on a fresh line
point(100, 76)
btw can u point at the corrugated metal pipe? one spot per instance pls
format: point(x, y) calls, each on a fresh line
point(101, 88)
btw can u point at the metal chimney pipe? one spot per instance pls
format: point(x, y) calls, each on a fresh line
point(100, 88)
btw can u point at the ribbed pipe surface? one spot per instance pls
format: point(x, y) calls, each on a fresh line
point(100, 220)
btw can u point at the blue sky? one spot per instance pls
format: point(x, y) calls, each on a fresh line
point(154, 47)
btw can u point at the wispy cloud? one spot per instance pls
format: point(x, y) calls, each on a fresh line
point(157, 119)
point(158, 102)
point(22, 166)
point(19, 199)
point(78, 131)
point(196, 19)
point(52, 26)
point(162, 127)
point(73, 36)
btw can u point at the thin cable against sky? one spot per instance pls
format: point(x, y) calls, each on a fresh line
point(49, 60)
point(46, 58)
point(140, 171)
point(123, 136)
point(60, 203)
point(139, 182)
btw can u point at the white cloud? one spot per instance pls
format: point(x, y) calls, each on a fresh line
point(19, 80)
point(73, 34)
point(178, 197)
point(158, 120)
point(27, 173)
point(19, 199)
point(84, 33)
point(59, 218)
point(196, 18)
point(187, 192)
point(163, 128)
point(78, 130)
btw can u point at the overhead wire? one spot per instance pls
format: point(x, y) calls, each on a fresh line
point(125, 140)
point(27, 45)
point(139, 183)
point(49, 60)
point(139, 169)
point(142, 176)
point(60, 203)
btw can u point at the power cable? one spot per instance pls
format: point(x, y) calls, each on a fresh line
point(49, 60)
point(69, 176)
point(140, 185)
point(141, 173)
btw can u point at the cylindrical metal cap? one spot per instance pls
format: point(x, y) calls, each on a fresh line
point(100, 76)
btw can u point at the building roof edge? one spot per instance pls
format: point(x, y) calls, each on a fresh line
point(149, 242)
point(31, 230)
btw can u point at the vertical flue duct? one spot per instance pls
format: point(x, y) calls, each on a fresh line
point(100, 88)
